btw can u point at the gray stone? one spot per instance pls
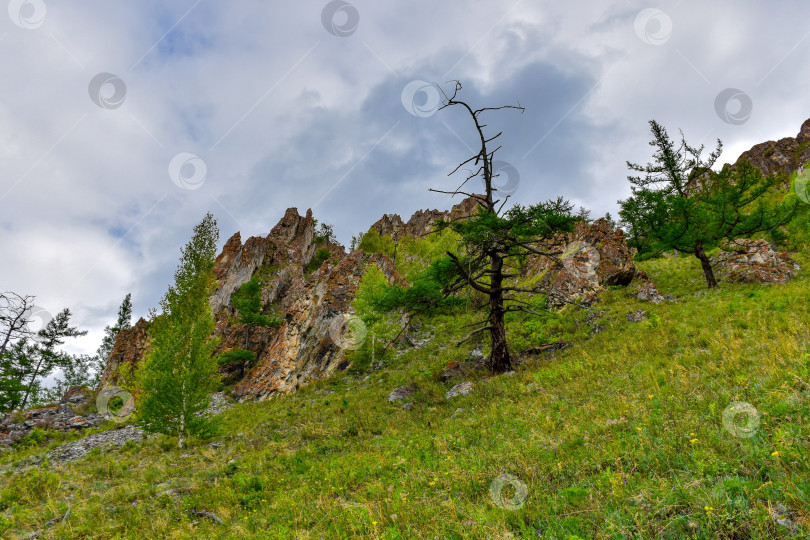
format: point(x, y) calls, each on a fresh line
point(401, 393)
point(460, 390)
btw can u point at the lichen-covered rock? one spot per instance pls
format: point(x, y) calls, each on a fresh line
point(784, 156)
point(753, 261)
point(587, 260)
point(318, 329)
point(130, 347)
point(461, 389)
point(423, 221)
point(644, 289)
point(402, 392)
point(313, 305)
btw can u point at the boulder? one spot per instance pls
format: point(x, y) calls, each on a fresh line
point(401, 393)
point(459, 390)
point(587, 260)
point(753, 261)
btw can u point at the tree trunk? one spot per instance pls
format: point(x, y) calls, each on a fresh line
point(707, 266)
point(499, 360)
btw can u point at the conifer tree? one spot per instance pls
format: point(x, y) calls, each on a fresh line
point(124, 322)
point(179, 372)
point(681, 203)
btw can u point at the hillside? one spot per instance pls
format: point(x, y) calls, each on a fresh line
point(620, 435)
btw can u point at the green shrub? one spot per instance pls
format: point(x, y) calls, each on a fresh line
point(320, 257)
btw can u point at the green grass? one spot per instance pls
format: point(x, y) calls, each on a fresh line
point(348, 464)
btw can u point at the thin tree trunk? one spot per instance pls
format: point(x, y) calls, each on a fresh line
point(707, 266)
point(499, 360)
point(31, 384)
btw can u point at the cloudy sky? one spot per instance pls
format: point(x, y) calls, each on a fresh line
point(122, 123)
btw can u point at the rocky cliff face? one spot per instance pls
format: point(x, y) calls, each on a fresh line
point(317, 328)
point(422, 221)
point(130, 346)
point(784, 156)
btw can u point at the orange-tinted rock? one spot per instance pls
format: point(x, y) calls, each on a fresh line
point(587, 260)
point(423, 221)
point(312, 341)
point(129, 349)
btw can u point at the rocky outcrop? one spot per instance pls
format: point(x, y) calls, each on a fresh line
point(313, 305)
point(129, 348)
point(784, 156)
point(317, 330)
point(423, 221)
point(587, 260)
point(68, 415)
point(753, 261)
point(290, 242)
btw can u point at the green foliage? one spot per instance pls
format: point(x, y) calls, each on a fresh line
point(123, 322)
point(591, 431)
point(372, 242)
point(317, 260)
point(248, 303)
point(682, 204)
point(25, 363)
point(35, 438)
point(381, 327)
point(325, 234)
point(240, 356)
point(426, 292)
point(178, 373)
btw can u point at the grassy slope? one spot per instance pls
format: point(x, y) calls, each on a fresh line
point(349, 464)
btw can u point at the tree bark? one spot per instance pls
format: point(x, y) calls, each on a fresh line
point(499, 360)
point(708, 273)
